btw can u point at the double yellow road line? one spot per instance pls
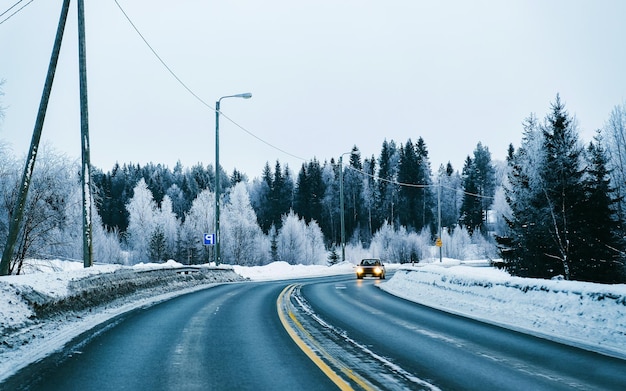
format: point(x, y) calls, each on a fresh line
point(307, 342)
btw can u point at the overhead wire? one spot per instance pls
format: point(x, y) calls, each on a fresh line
point(196, 96)
point(414, 185)
point(14, 13)
point(203, 102)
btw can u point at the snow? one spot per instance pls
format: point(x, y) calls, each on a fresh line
point(588, 315)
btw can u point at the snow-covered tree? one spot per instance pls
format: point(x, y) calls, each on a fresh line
point(290, 239)
point(615, 136)
point(300, 243)
point(199, 220)
point(166, 226)
point(241, 235)
point(142, 222)
point(555, 199)
point(315, 252)
point(400, 246)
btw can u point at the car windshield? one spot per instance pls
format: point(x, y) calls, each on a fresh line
point(369, 262)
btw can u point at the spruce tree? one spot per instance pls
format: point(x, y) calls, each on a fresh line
point(479, 185)
point(410, 198)
point(387, 188)
point(562, 176)
point(600, 257)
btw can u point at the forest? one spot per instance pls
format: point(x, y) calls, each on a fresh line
point(553, 209)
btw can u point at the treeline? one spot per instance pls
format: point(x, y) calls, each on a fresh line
point(556, 207)
point(397, 187)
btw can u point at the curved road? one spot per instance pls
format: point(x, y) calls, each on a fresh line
point(230, 337)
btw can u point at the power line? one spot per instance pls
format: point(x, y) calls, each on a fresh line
point(402, 184)
point(198, 98)
point(10, 8)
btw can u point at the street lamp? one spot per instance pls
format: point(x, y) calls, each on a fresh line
point(343, 223)
point(246, 95)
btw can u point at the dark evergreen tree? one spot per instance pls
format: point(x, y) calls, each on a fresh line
point(524, 246)
point(282, 194)
point(429, 201)
point(157, 246)
point(237, 176)
point(562, 175)
point(479, 187)
point(353, 192)
point(333, 257)
point(263, 202)
point(372, 221)
point(415, 201)
point(563, 221)
point(387, 185)
point(599, 246)
point(309, 192)
point(409, 198)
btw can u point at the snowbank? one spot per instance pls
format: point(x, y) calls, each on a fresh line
point(585, 314)
point(41, 312)
point(284, 270)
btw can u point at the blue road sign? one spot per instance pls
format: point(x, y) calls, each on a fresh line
point(209, 239)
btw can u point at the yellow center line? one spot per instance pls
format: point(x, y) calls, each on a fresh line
point(338, 380)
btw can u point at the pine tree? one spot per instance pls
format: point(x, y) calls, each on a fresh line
point(599, 249)
point(416, 202)
point(410, 194)
point(387, 189)
point(479, 185)
point(263, 202)
point(562, 177)
point(523, 247)
point(157, 247)
point(562, 221)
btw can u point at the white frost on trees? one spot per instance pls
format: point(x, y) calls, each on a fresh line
point(142, 212)
point(199, 220)
point(167, 222)
point(242, 238)
point(299, 243)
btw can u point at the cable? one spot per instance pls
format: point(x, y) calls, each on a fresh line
point(246, 130)
point(375, 177)
point(10, 8)
point(193, 93)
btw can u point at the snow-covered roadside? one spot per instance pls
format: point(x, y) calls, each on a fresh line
point(284, 270)
point(41, 312)
point(589, 315)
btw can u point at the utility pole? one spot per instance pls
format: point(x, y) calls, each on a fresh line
point(84, 133)
point(341, 207)
point(18, 209)
point(439, 242)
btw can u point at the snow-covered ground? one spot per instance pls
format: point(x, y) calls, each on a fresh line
point(585, 314)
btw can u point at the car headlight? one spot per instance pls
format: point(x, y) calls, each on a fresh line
point(377, 270)
point(359, 270)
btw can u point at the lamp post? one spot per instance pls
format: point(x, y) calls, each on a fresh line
point(246, 95)
point(341, 206)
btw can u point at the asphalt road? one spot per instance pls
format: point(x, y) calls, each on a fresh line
point(456, 353)
point(230, 337)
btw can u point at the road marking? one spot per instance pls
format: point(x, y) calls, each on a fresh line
point(284, 303)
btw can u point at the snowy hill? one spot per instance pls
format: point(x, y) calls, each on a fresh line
point(43, 310)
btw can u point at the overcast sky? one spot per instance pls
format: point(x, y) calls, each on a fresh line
point(325, 75)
